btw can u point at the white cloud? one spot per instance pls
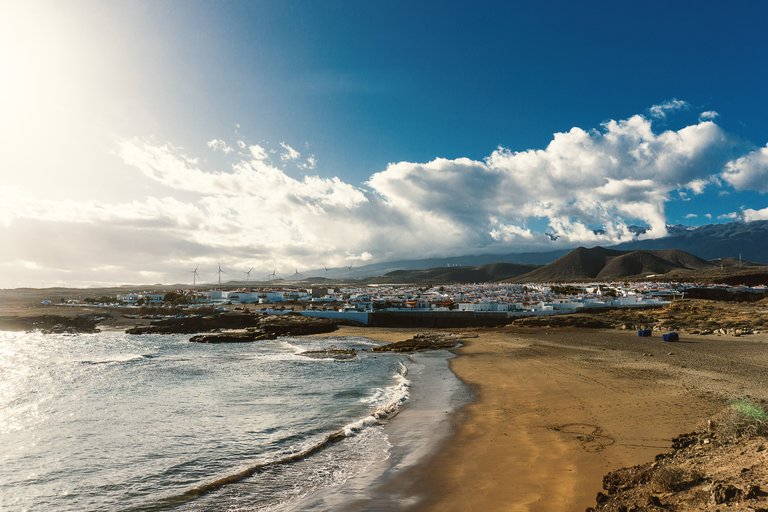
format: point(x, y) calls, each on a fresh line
point(608, 178)
point(584, 187)
point(751, 215)
point(749, 172)
point(729, 216)
point(258, 152)
point(660, 111)
point(708, 215)
point(309, 164)
point(691, 216)
point(709, 115)
point(697, 186)
point(289, 153)
point(220, 145)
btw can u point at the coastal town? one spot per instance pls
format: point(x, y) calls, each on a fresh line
point(356, 303)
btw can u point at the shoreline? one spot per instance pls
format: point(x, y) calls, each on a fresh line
point(415, 434)
point(554, 410)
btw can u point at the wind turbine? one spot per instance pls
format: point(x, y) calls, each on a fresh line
point(273, 275)
point(248, 276)
point(194, 276)
point(295, 276)
point(349, 272)
point(220, 272)
point(326, 273)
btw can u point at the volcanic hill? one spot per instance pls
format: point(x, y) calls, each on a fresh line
point(610, 264)
point(464, 274)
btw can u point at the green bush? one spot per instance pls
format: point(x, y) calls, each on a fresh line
point(749, 410)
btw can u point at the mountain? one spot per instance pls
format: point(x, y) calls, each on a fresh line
point(601, 263)
point(748, 239)
point(477, 274)
point(472, 260)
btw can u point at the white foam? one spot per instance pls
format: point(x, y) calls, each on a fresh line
point(387, 401)
point(296, 349)
point(116, 358)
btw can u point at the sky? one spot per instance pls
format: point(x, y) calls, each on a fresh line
point(142, 139)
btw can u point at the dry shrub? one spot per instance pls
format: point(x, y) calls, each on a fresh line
point(673, 479)
point(745, 418)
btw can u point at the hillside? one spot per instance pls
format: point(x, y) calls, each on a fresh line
point(724, 241)
point(750, 239)
point(477, 274)
point(609, 264)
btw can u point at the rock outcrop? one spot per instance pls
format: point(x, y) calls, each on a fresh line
point(724, 466)
point(53, 324)
point(422, 341)
point(237, 327)
point(331, 352)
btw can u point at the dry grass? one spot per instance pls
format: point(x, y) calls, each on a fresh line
point(673, 479)
point(695, 315)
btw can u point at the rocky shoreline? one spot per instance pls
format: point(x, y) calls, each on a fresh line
point(423, 341)
point(54, 324)
point(722, 466)
point(237, 327)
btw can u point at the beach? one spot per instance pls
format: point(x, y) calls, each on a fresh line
point(554, 410)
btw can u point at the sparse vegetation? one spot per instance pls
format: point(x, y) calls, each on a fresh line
point(672, 479)
point(747, 418)
point(749, 409)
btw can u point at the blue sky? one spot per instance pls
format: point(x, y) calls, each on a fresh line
point(308, 133)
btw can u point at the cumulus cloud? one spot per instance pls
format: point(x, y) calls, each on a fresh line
point(288, 153)
point(751, 215)
point(220, 145)
point(585, 187)
point(749, 172)
point(258, 152)
point(309, 164)
point(660, 111)
point(697, 186)
point(709, 115)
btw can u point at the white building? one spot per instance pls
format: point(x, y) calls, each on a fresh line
point(490, 306)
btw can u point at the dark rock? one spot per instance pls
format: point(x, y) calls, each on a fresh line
point(685, 440)
point(654, 501)
point(722, 493)
point(601, 498)
point(332, 353)
point(53, 324)
point(625, 478)
point(231, 337)
point(422, 341)
point(195, 323)
point(752, 492)
point(271, 325)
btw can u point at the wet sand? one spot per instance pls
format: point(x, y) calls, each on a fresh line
point(556, 410)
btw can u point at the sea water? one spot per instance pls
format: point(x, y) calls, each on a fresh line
point(111, 421)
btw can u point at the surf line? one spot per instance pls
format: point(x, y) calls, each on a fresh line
point(383, 413)
point(201, 490)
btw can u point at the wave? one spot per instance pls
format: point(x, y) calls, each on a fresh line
point(296, 349)
point(392, 398)
point(119, 358)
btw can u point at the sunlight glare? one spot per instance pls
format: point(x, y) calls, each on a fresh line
point(42, 69)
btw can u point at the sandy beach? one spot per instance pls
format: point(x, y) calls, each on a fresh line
point(554, 410)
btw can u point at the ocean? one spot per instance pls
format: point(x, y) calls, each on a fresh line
point(111, 421)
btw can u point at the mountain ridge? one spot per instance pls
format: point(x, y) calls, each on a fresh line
point(606, 264)
point(712, 241)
